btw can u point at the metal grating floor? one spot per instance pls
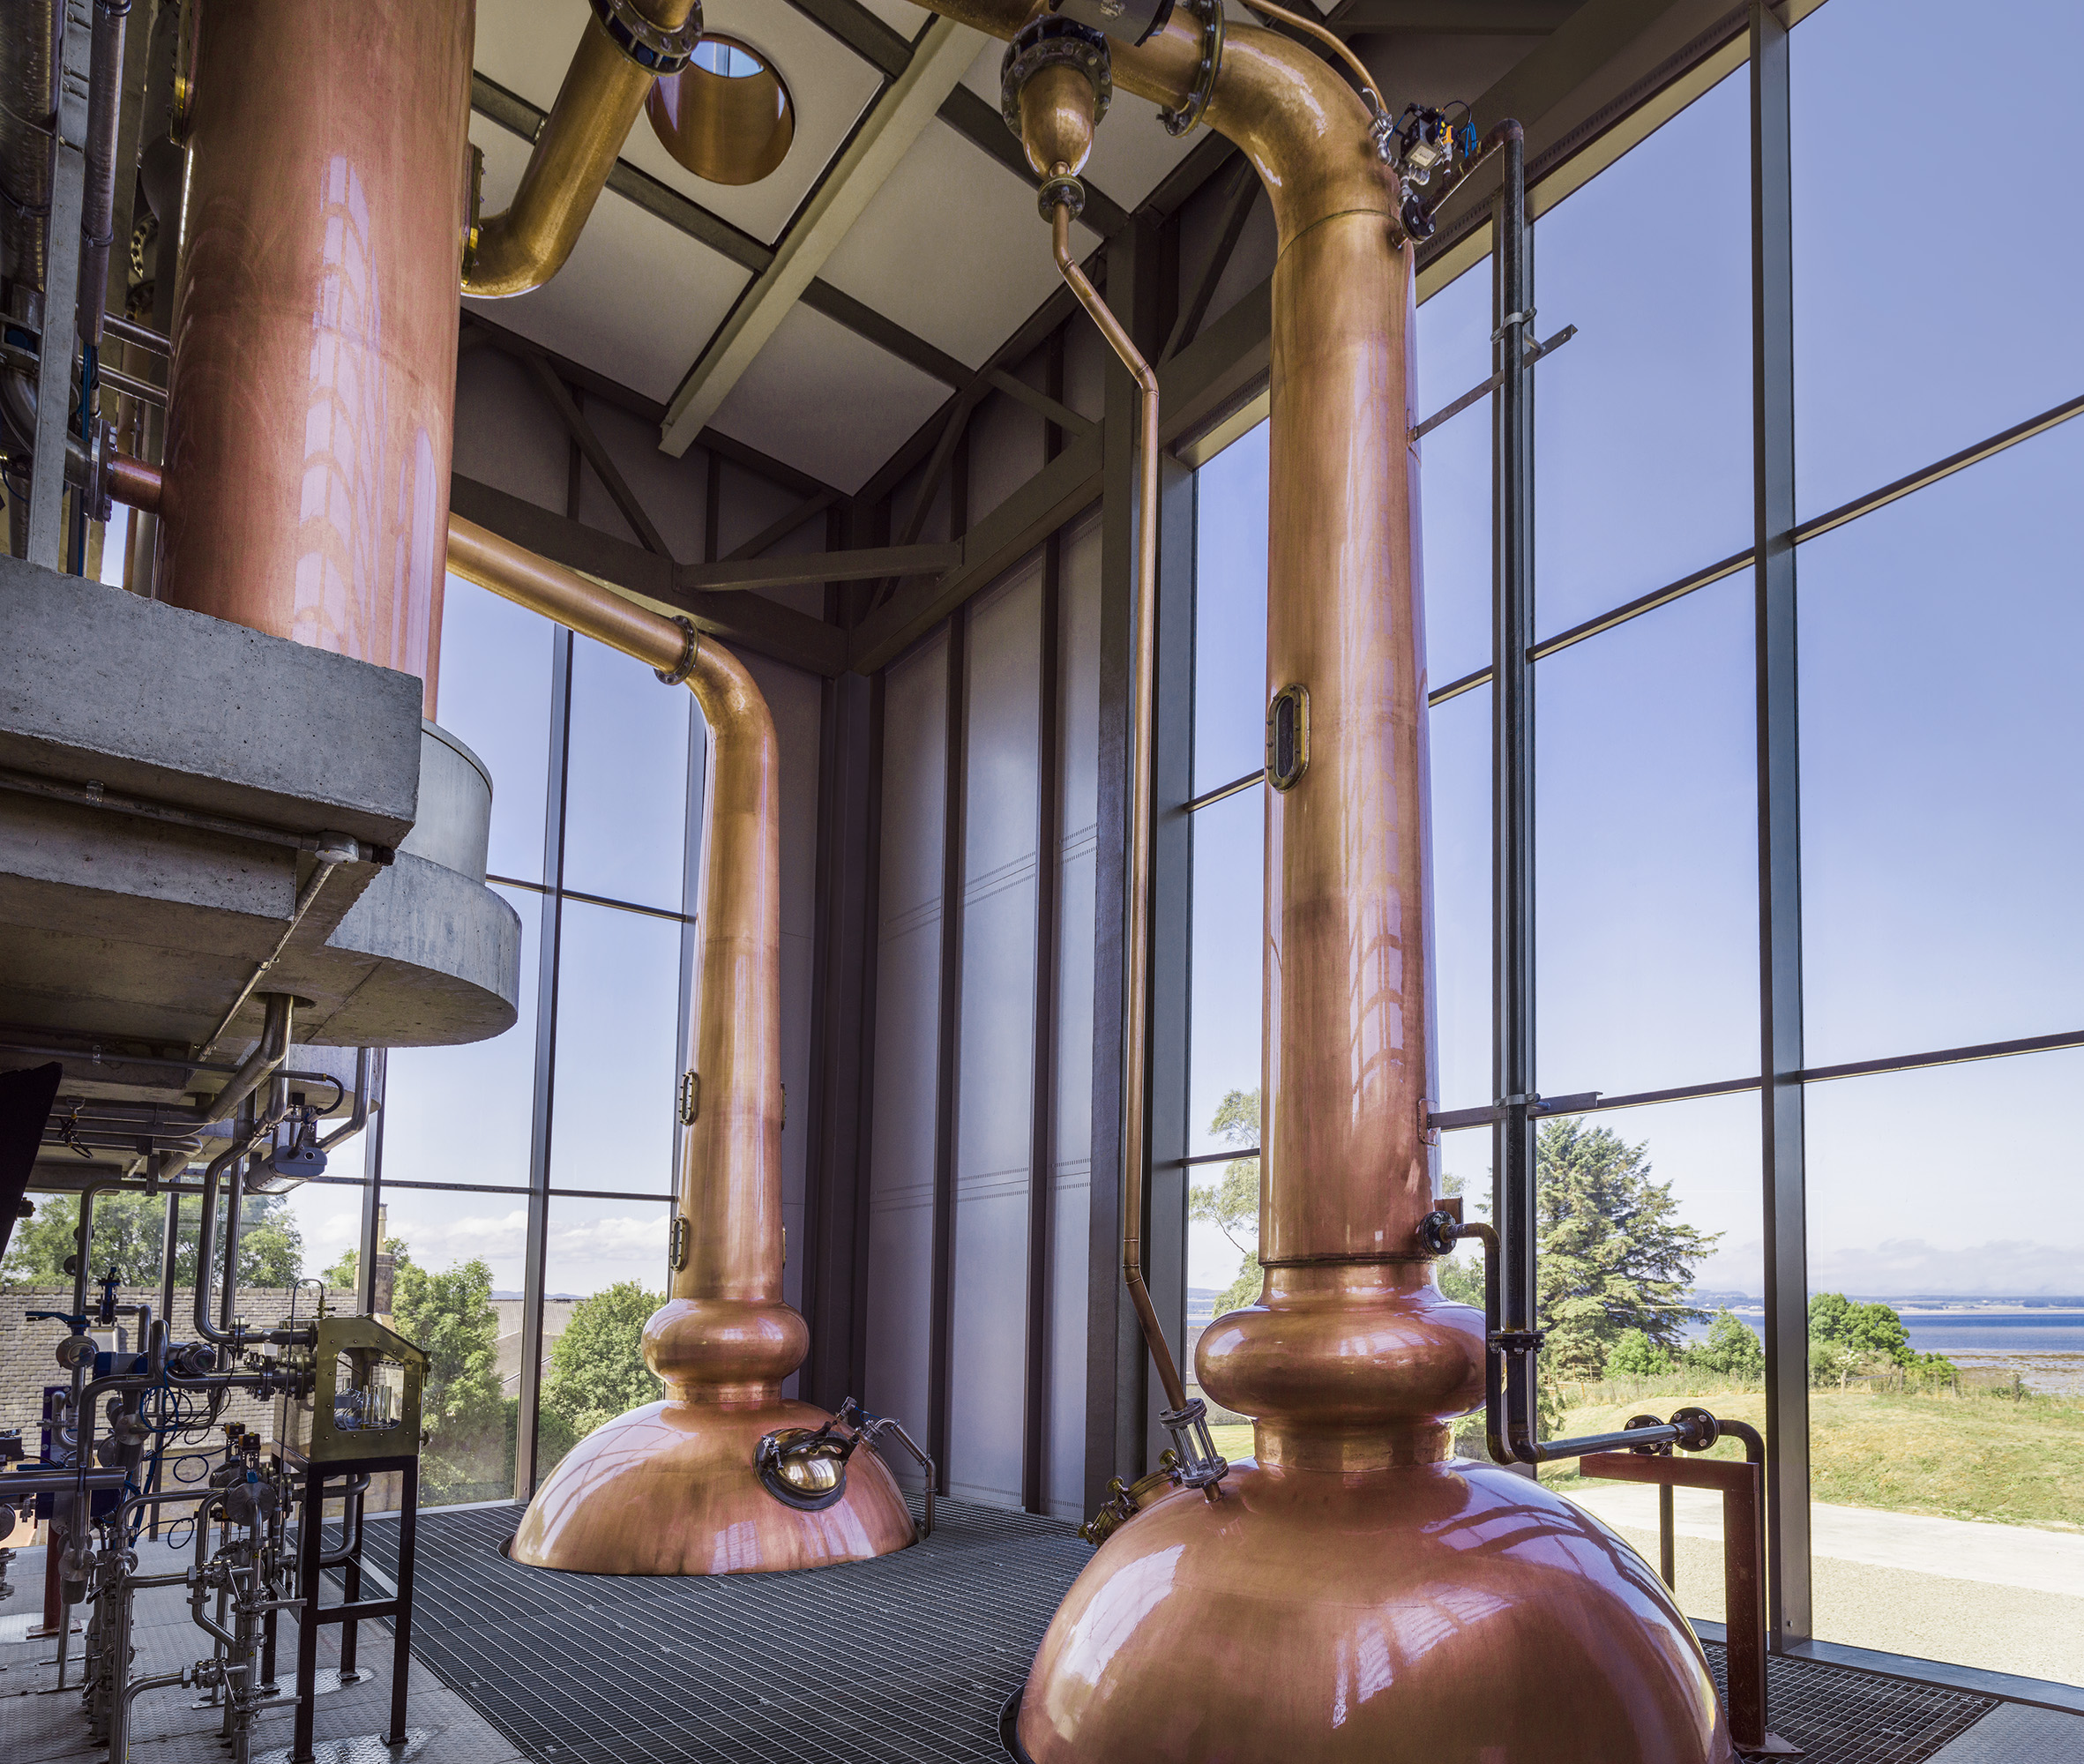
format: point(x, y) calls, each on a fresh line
point(903, 1661)
point(1842, 1717)
point(906, 1659)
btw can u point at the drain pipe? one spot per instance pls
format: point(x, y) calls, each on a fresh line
point(624, 46)
point(1054, 84)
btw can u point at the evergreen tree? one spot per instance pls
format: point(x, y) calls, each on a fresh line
point(1613, 1255)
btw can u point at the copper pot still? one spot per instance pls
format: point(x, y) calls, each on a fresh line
point(677, 1486)
point(311, 400)
point(1353, 1591)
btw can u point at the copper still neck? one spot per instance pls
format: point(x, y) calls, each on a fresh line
point(311, 396)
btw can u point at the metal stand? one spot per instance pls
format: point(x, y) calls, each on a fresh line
point(311, 1564)
point(1742, 1489)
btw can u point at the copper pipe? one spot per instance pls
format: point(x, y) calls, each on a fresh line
point(671, 1488)
point(603, 90)
point(313, 378)
point(1136, 1029)
point(134, 482)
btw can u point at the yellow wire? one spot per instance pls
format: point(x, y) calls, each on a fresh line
point(1360, 71)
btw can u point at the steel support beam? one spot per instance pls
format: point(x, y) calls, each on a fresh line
point(1780, 830)
point(897, 118)
point(749, 620)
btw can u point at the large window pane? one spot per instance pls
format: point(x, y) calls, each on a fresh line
point(1223, 1026)
point(495, 698)
point(465, 1114)
point(1455, 477)
point(1459, 735)
point(1946, 1218)
point(1916, 336)
point(604, 1273)
point(454, 1269)
point(1942, 810)
point(1648, 865)
point(1643, 421)
point(1230, 613)
point(1651, 1282)
point(618, 1054)
point(626, 788)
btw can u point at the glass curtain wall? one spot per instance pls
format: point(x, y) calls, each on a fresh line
point(1940, 829)
point(525, 1183)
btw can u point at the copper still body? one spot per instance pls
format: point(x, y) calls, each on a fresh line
point(673, 1487)
point(312, 391)
point(1353, 1591)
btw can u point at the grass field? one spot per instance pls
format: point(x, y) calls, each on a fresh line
point(1973, 1456)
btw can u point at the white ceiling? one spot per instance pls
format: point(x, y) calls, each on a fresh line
point(951, 248)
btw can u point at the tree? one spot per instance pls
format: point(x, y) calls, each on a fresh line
point(1634, 1355)
point(1732, 1349)
point(128, 1231)
point(450, 1316)
point(597, 1367)
point(1613, 1255)
point(1231, 1203)
point(1847, 1338)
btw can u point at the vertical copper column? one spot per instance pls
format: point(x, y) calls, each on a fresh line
point(312, 386)
point(725, 1332)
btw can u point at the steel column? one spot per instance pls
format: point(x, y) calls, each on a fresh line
point(1780, 813)
point(1513, 776)
point(949, 1081)
point(1042, 1156)
point(1172, 760)
point(549, 939)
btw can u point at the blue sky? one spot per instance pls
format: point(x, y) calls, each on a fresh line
point(1943, 800)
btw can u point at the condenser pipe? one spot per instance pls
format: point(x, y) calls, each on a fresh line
point(730, 1182)
point(1136, 1029)
point(604, 88)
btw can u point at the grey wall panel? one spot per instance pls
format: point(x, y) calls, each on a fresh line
point(1069, 1259)
point(994, 1122)
point(1005, 450)
point(907, 1024)
point(505, 435)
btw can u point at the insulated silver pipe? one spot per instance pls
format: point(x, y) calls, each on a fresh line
point(97, 208)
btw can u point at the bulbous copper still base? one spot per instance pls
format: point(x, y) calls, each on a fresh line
point(671, 1489)
point(1451, 1612)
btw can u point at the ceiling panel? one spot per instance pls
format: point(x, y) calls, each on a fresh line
point(638, 299)
point(951, 248)
point(827, 401)
point(1131, 152)
point(906, 20)
point(526, 45)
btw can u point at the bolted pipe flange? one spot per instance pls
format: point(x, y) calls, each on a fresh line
point(1062, 188)
point(676, 675)
point(1702, 1429)
point(1048, 42)
point(652, 47)
point(1210, 13)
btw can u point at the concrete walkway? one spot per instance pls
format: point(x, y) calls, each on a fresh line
point(1962, 1549)
point(2005, 1598)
